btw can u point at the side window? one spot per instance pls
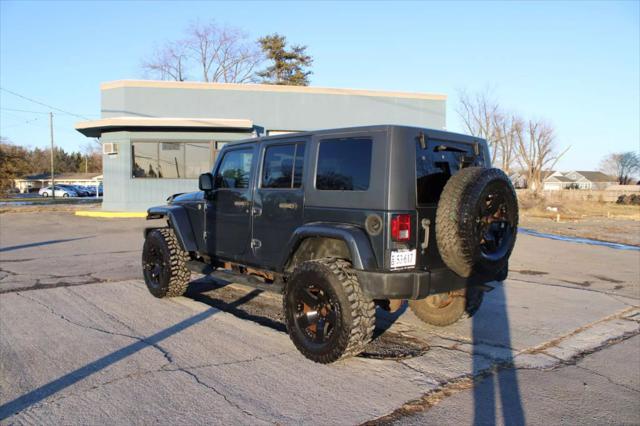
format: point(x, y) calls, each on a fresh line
point(344, 164)
point(283, 166)
point(235, 169)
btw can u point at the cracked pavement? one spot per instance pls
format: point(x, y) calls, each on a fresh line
point(82, 341)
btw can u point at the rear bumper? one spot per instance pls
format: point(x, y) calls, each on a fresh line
point(418, 285)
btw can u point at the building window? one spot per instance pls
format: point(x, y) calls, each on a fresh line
point(145, 160)
point(283, 166)
point(344, 164)
point(197, 159)
point(172, 160)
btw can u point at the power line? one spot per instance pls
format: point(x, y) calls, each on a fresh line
point(43, 104)
point(24, 110)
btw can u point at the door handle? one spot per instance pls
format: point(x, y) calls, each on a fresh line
point(241, 203)
point(288, 206)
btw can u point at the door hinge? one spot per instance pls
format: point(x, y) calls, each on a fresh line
point(256, 244)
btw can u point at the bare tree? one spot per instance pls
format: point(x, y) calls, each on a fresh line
point(480, 116)
point(223, 54)
point(536, 151)
point(507, 128)
point(168, 62)
point(219, 54)
point(622, 165)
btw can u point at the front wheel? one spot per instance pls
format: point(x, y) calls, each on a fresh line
point(447, 308)
point(45, 194)
point(164, 264)
point(328, 316)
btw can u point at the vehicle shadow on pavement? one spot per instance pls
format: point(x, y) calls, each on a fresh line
point(491, 327)
point(42, 243)
point(203, 290)
point(43, 392)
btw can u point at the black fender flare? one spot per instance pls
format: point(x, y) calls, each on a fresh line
point(179, 221)
point(362, 256)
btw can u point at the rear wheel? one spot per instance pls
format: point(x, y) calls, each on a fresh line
point(164, 264)
point(327, 315)
point(447, 308)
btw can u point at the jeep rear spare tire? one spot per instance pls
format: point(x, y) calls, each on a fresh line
point(477, 221)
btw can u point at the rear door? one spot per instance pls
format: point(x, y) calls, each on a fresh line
point(279, 200)
point(228, 209)
point(436, 161)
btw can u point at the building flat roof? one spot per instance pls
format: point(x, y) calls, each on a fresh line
point(63, 176)
point(266, 88)
point(94, 128)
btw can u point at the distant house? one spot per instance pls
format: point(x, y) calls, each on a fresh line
point(35, 182)
point(577, 179)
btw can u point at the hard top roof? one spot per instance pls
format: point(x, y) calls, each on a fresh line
point(429, 133)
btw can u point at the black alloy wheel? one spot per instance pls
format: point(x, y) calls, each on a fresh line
point(317, 314)
point(327, 314)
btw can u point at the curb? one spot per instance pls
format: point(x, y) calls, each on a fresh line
point(111, 215)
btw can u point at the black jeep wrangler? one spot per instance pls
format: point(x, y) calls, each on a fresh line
point(339, 221)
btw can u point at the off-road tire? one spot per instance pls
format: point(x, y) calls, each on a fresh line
point(357, 311)
point(457, 216)
point(464, 304)
point(174, 276)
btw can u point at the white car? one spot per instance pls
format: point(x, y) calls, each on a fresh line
point(60, 192)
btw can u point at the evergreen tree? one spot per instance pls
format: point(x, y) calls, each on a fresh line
point(289, 66)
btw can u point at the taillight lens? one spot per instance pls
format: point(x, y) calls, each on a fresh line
point(401, 227)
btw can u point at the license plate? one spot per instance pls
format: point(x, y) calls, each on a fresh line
point(403, 259)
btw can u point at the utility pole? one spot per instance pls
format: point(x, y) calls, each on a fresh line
point(53, 183)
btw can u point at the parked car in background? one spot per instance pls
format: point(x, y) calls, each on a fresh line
point(81, 191)
point(61, 191)
point(91, 190)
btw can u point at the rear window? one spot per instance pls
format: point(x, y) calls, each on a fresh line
point(344, 165)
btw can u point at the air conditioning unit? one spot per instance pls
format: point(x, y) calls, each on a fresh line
point(109, 148)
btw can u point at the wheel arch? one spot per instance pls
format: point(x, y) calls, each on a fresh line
point(177, 219)
point(322, 239)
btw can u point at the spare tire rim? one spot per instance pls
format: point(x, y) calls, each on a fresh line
point(495, 224)
point(316, 314)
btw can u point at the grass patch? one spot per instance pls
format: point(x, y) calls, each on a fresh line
point(544, 206)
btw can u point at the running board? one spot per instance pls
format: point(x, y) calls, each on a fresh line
point(232, 277)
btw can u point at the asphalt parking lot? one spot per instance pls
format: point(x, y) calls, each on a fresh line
point(82, 341)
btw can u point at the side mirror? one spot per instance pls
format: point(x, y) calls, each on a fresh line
point(205, 182)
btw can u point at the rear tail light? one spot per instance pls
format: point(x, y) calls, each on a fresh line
point(401, 228)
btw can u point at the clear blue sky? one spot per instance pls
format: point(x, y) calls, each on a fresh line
point(576, 64)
